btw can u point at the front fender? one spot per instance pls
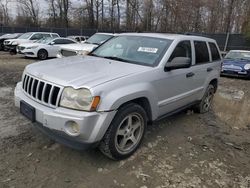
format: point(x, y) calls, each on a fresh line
point(112, 100)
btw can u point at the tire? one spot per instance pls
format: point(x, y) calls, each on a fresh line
point(206, 102)
point(42, 54)
point(1, 47)
point(125, 133)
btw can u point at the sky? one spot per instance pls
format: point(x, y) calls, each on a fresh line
point(42, 3)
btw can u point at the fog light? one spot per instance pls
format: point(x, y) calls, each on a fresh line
point(72, 128)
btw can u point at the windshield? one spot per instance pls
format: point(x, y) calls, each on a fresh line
point(98, 39)
point(134, 49)
point(25, 36)
point(45, 40)
point(238, 55)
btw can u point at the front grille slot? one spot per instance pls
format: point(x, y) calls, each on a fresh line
point(41, 91)
point(47, 92)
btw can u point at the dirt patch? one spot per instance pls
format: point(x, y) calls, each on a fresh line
point(186, 150)
point(233, 107)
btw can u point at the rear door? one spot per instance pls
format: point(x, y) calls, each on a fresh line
point(204, 67)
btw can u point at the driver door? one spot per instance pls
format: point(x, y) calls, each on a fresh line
point(175, 88)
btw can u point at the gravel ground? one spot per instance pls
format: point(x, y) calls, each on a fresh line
point(185, 150)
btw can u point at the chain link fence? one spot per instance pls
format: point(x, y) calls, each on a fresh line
point(225, 41)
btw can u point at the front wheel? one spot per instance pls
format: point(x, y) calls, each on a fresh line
point(125, 133)
point(42, 54)
point(206, 102)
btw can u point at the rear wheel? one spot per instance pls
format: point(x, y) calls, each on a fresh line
point(42, 54)
point(125, 133)
point(206, 102)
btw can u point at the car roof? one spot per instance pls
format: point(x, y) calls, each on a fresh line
point(239, 51)
point(170, 36)
point(43, 32)
point(111, 34)
point(77, 36)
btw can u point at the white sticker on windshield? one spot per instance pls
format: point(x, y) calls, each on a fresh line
point(147, 49)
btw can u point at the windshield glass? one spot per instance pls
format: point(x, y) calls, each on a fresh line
point(98, 39)
point(134, 49)
point(25, 36)
point(238, 55)
point(45, 40)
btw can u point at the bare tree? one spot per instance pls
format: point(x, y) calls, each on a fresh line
point(4, 9)
point(30, 8)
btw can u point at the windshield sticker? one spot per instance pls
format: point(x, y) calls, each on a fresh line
point(148, 50)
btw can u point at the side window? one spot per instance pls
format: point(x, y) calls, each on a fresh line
point(201, 52)
point(46, 36)
point(36, 37)
point(183, 49)
point(63, 41)
point(214, 51)
point(57, 41)
point(77, 39)
point(55, 35)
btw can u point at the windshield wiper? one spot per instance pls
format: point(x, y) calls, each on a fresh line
point(94, 55)
point(244, 59)
point(116, 58)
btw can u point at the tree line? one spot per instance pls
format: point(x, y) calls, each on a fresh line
point(210, 16)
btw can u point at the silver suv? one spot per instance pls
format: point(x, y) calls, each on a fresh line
point(106, 99)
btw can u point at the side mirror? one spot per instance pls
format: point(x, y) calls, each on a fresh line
point(178, 63)
point(52, 43)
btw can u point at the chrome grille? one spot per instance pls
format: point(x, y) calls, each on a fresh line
point(41, 91)
point(67, 53)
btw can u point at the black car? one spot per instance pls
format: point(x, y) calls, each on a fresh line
point(8, 36)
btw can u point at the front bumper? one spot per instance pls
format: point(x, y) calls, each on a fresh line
point(29, 53)
point(10, 47)
point(240, 74)
point(93, 125)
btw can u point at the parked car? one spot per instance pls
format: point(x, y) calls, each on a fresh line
point(80, 39)
point(82, 49)
point(11, 44)
point(107, 98)
point(236, 63)
point(6, 37)
point(44, 48)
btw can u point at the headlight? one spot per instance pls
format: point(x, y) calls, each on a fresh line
point(247, 66)
point(14, 43)
point(82, 52)
point(79, 99)
point(32, 47)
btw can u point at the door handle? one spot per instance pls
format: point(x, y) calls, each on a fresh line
point(209, 69)
point(191, 74)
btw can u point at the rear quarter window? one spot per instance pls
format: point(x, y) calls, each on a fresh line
point(201, 52)
point(214, 51)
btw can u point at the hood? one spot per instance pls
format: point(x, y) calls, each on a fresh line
point(10, 36)
point(236, 62)
point(79, 47)
point(19, 41)
point(82, 71)
point(26, 45)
